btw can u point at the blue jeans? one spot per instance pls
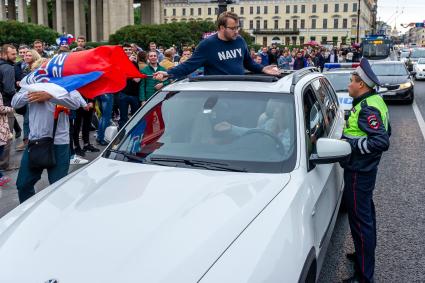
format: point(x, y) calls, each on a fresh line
point(125, 101)
point(106, 104)
point(27, 177)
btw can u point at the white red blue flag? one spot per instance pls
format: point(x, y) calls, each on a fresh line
point(92, 72)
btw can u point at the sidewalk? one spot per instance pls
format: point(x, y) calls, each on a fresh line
point(9, 194)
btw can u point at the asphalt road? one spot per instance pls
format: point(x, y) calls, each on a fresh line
point(399, 199)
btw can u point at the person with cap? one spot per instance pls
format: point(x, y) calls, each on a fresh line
point(367, 130)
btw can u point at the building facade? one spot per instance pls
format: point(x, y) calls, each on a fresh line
point(95, 19)
point(289, 22)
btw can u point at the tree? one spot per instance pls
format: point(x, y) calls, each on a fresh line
point(17, 33)
point(178, 34)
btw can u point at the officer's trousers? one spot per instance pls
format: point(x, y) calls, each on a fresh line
point(358, 193)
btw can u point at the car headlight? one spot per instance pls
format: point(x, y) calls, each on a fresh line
point(405, 85)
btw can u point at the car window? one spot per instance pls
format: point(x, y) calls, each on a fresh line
point(389, 69)
point(418, 53)
point(314, 120)
point(339, 80)
point(421, 61)
point(328, 103)
point(252, 131)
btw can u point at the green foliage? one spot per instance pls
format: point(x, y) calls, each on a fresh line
point(17, 33)
point(178, 33)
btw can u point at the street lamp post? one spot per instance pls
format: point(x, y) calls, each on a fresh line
point(358, 23)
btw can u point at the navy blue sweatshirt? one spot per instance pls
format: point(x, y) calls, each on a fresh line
point(218, 57)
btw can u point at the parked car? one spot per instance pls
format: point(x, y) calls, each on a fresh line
point(396, 82)
point(214, 179)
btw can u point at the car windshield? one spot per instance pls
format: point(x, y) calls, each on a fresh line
point(421, 61)
point(215, 130)
point(339, 81)
point(418, 53)
point(404, 54)
point(389, 69)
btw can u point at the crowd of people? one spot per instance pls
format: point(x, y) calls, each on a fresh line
point(18, 61)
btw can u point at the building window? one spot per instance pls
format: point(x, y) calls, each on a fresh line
point(288, 9)
point(232, 9)
point(276, 24)
point(258, 24)
point(265, 24)
point(294, 40)
point(312, 38)
point(325, 8)
point(192, 11)
point(266, 9)
point(313, 8)
point(216, 11)
point(242, 11)
point(325, 23)
point(165, 21)
point(295, 9)
point(302, 9)
point(295, 24)
point(251, 10)
point(276, 9)
point(199, 11)
point(301, 40)
point(313, 23)
point(287, 24)
point(165, 12)
point(336, 23)
point(345, 7)
point(174, 12)
point(258, 10)
point(344, 23)
point(324, 39)
point(336, 8)
point(251, 24)
point(302, 24)
point(354, 7)
point(287, 40)
point(209, 11)
point(184, 11)
point(241, 23)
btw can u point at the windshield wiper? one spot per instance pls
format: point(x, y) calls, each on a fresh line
point(196, 163)
point(129, 156)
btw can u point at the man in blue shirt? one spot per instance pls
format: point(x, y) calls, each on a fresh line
point(224, 53)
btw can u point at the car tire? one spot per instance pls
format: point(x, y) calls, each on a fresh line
point(311, 275)
point(410, 100)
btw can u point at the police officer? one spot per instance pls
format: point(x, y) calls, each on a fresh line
point(367, 130)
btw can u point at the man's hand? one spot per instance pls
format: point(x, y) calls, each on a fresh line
point(160, 76)
point(159, 86)
point(39, 96)
point(271, 70)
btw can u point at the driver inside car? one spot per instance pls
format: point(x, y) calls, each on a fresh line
point(274, 120)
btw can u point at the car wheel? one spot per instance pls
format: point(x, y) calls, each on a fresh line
point(410, 100)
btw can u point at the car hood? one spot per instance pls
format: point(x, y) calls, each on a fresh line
point(392, 80)
point(126, 222)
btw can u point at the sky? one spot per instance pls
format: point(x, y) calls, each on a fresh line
point(401, 12)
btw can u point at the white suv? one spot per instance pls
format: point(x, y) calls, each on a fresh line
point(215, 179)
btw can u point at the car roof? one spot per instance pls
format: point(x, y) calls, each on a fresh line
point(244, 83)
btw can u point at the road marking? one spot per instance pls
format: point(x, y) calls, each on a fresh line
point(419, 117)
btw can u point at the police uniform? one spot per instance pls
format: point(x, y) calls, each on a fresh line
point(367, 130)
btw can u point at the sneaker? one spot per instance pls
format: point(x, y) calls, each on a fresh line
point(80, 152)
point(90, 148)
point(4, 180)
point(102, 143)
point(77, 160)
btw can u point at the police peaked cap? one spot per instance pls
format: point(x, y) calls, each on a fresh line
point(365, 72)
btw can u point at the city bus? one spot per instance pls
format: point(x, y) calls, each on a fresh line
point(376, 47)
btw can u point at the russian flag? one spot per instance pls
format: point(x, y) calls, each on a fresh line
point(93, 72)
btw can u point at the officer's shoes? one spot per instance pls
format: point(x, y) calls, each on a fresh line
point(351, 256)
point(352, 279)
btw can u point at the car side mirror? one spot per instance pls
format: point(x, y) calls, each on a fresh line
point(110, 133)
point(330, 151)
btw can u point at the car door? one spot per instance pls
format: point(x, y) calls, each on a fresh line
point(324, 177)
